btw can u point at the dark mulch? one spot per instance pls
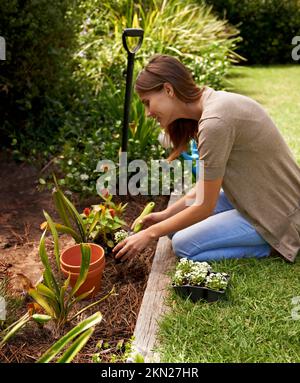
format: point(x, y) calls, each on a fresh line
point(21, 208)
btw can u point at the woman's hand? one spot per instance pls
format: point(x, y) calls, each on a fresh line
point(132, 245)
point(151, 219)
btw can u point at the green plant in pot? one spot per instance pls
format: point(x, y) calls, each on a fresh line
point(100, 224)
point(54, 298)
point(109, 220)
point(96, 224)
point(80, 227)
point(54, 294)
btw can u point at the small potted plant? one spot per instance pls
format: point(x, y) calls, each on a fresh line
point(103, 221)
point(70, 261)
point(96, 224)
point(197, 281)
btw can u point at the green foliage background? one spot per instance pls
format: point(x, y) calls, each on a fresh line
point(62, 86)
point(266, 26)
point(36, 78)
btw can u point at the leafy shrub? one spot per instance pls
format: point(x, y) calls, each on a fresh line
point(36, 77)
point(266, 26)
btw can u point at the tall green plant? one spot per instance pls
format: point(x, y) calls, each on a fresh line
point(73, 223)
point(185, 29)
point(82, 332)
point(53, 295)
point(11, 330)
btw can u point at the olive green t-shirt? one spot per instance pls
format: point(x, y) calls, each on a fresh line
point(238, 141)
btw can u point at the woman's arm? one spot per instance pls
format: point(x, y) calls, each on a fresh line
point(206, 196)
point(184, 216)
point(181, 204)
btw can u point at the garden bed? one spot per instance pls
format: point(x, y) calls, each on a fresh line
point(21, 207)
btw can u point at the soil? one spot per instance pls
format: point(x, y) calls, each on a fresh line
point(21, 213)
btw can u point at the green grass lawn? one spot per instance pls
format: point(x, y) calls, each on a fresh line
point(277, 88)
point(255, 323)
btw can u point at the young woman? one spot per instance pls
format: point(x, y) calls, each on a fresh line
point(250, 203)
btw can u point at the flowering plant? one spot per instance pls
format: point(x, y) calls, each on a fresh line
point(104, 220)
point(120, 235)
point(94, 224)
point(190, 273)
point(99, 223)
point(198, 274)
point(216, 281)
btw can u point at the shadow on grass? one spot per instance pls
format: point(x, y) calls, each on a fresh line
point(237, 71)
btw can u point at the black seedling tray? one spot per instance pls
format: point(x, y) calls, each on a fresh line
point(198, 292)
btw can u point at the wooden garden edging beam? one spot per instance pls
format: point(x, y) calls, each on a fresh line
point(153, 306)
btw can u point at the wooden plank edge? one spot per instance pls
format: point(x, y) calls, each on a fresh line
point(153, 306)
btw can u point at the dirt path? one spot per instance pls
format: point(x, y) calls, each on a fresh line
point(21, 212)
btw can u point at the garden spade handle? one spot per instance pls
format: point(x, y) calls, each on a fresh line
point(129, 32)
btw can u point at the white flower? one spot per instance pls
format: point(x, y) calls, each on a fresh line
point(198, 274)
point(217, 281)
point(84, 177)
point(120, 235)
point(190, 272)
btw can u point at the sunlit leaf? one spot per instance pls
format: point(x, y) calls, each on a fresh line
point(64, 340)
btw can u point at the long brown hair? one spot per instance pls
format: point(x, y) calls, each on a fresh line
point(159, 70)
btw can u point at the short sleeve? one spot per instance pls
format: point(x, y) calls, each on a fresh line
point(215, 142)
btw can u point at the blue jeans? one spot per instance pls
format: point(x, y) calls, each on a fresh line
point(225, 234)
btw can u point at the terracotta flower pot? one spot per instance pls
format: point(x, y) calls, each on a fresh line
point(70, 261)
point(70, 258)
